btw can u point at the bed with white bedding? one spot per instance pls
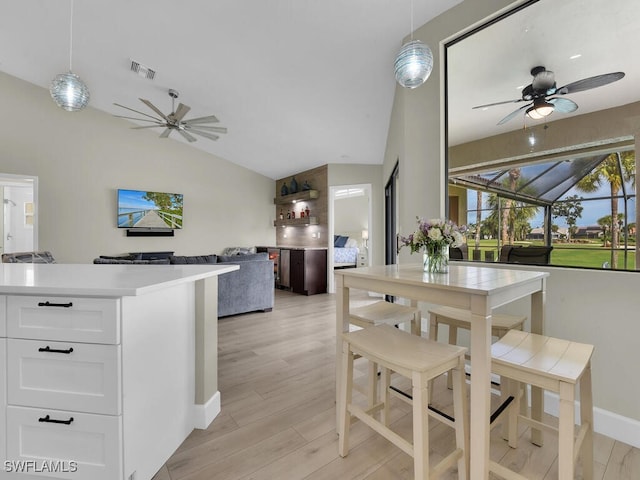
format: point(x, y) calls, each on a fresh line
point(345, 252)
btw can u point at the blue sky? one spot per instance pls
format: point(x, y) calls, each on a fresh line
point(133, 199)
point(592, 210)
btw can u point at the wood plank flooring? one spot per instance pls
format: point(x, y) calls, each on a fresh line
point(276, 380)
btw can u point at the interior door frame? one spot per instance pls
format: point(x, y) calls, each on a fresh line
point(13, 180)
point(368, 188)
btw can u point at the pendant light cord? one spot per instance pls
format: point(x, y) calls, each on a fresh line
point(71, 37)
point(410, 26)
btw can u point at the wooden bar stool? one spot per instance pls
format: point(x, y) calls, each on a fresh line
point(557, 366)
point(382, 312)
point(457, 318)
point(420, 360)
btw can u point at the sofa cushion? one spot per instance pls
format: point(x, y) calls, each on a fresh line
point(193, 259)
point(243, 258)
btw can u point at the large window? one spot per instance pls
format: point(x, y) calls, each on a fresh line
point(585, 208)
point(541, 133)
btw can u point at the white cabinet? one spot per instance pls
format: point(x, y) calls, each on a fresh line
point(363, 258)
point(68, 319)
point(64, 386)
point(77, 445)
point(67, 376)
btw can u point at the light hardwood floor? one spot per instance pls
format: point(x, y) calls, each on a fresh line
point(276, 380)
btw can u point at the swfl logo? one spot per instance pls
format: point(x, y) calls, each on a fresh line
point(44, 466)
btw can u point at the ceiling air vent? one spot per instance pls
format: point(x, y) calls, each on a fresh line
point(142, 70)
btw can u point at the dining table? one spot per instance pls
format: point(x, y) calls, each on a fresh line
point(479, 289)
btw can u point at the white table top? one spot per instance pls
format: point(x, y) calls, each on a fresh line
point(100, 280)
point(479, 280)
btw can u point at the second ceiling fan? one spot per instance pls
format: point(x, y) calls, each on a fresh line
point(546, 98)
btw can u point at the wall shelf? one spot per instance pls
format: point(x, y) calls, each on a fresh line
point(296, 222)
point(296, 197)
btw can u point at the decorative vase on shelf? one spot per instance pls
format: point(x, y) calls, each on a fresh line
point(306, 186)
point(293, 186)
point(284, 190)
point(435, 258)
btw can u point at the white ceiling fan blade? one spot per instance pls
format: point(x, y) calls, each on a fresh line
point(181, 112)
point(205, 127)
point(137, 111)
point(158, 121)
point(513, 114)
point(190, 138)
point(147, 126)
point(154, 108)
point(208, 119)
point(208, 135)
point(166, 133)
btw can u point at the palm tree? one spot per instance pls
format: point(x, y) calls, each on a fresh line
point(608, 172)
point(514, 175)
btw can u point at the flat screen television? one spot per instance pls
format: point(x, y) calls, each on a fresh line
point(149, 210)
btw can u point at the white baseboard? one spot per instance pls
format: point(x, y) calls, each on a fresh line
point(203, 415)
point(607, 423)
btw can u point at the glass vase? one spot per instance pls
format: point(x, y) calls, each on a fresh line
point(435, 259)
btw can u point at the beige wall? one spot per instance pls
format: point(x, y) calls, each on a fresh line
point(607, 320)
point(82, 158)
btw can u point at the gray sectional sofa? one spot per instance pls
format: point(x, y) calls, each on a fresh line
point(249, 289)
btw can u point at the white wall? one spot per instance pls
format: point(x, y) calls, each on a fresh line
point(82, 158)
point(351, 216)
point(595, 307)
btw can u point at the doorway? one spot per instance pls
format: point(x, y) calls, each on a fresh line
point(19, 222)
point(350, 215)
point(391, 203)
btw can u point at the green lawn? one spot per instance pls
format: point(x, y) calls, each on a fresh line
point(569, 254)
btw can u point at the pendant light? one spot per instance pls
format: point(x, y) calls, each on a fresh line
point(67, 89)
point(414, 63)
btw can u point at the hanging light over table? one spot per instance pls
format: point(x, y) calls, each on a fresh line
point(414, 62)
point(67, 89)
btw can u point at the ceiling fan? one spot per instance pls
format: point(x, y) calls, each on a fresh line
point(174, 120)
point(543, 86)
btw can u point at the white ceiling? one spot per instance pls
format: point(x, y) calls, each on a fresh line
point(494, 64)
point(298, 83)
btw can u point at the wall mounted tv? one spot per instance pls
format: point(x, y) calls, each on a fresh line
point(149, 210)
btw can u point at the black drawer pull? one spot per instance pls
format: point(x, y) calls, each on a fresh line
point(48, 419)
point(49, 304)
point(53, 350)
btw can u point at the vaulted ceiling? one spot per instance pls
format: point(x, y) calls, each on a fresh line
point(298, 83)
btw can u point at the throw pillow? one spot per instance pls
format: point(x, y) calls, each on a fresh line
point(341, 241)
point(194, 259)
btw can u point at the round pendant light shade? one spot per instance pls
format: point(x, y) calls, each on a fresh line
point(413, 64)
point(69, 92)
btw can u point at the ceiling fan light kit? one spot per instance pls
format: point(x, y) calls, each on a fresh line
point(546, 98)
point(539, 110)
point(174, 121)
point(68, 90)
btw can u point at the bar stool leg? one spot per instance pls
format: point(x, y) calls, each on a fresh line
point(586, 418)
point(453, 340)
point(386, 383)
point(346, 381)
point(461, 414)
point(420, 427)
point(566, 431)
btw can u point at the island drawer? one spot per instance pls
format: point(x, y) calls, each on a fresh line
point(79, 445)
point(73, 319)
point(66, 376)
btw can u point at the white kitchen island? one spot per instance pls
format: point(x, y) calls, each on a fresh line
point(106, 368)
